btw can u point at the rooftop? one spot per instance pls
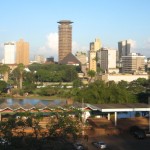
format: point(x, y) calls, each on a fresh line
point(65, 22)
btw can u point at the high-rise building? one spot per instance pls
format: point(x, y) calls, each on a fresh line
point(106, 59)
point(97, 44)
point(92, 61)
point(124, 48)
point(65, 39)
point(22, 52)
point(133, 63)
point(9, 53)
point(94, 47)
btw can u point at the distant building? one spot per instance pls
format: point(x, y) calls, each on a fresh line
point(92, 61)
point(65, 39)
point(22, 52)
point(81, 56)
point(133, 63)
point(124, 48)
point(94, 47)
point(50, 60)
point(148, 64)
point(70, 59)
point(39, 59)
point(122, 77)
point(106, 59)
point(9, 53)
point(97, 44)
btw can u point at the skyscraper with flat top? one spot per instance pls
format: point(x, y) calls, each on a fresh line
point(9, 53)
point(124, 48)
point(65, 39)
point(22, 52)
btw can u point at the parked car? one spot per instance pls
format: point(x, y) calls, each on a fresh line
point(140, 134)
point(79, 146)
point(137, 132)
point(133, 129)
point(147, 132)
point(4, 141)
point(100, 144)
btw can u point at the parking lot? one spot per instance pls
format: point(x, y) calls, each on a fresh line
point(119, 142)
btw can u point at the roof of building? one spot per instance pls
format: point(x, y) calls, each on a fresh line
point(65, 21)
point(16, 106)
point(122, 107)
point(39, 105)
point(70, 59)
point(4, 105)
point(100, 107)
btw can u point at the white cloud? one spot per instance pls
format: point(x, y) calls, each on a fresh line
point(52, 43)
point(142, 48)
point(147, 43)
point(77, 47)
point(51, 47)
point(133, 45)
point(145, 48)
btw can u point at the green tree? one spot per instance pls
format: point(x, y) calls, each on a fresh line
point(77, 83)
point(123, 84)
point(91, 74)
point(54, 72)
point(3, 86)
point(17, 74)
point(64, 126)
point(4, 70)
point(101, 92)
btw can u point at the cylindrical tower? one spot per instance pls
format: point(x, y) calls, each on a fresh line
point(65, 39)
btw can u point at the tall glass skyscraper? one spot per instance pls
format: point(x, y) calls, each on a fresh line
point(124, 48)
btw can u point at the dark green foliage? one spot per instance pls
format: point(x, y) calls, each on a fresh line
point(48, 91)
point(3, 86)
point(64, 126)
point(54, 72)
point(77, 83)
point(91, 74)
point(100, 92)
point(52, 139)
point(28, 87)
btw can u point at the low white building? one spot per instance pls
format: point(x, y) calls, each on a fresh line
point(126, 77)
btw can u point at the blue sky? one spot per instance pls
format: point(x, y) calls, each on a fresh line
point(110, 20)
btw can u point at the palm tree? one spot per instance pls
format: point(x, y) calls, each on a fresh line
point(4, 70)
point(18, 74)
point(91, 74)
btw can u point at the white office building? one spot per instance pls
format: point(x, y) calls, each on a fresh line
point(133, 63)
point(107, 59)
point(9, 53)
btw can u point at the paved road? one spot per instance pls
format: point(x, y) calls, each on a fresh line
point(121, 142)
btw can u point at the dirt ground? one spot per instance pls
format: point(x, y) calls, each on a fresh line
point(118, 142)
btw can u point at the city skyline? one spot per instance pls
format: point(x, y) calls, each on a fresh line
point(110, 20)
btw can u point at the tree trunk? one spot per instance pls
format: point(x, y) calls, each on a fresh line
point(21, 79)
point(6, 76)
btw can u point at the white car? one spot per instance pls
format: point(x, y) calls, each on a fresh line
point(79, 146)
point(4, 142)
point(100, 145)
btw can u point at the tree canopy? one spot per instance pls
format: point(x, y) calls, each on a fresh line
point(54, 72)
